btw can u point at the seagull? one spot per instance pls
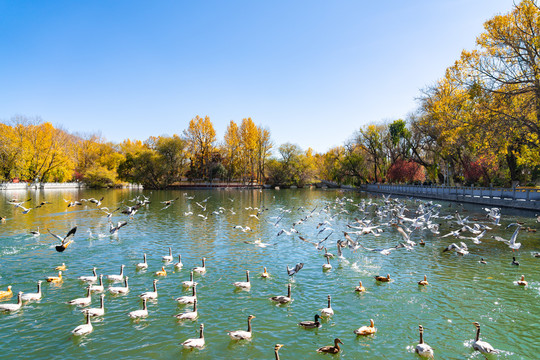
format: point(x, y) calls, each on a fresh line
point(97, 202)
point(114, 228)
point(294, 270)
point(106, 211)
point(460, 250)
point(382, 251)
point(512, 242)
point(64, 245)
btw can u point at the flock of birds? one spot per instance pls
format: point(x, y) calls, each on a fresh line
point(372, 218)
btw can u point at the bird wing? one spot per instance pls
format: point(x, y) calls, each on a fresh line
point(70, 233)
point(56, 236)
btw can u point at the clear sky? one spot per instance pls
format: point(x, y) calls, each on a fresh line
point(312, 71)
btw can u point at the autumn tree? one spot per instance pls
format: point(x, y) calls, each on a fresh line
point(201, 138)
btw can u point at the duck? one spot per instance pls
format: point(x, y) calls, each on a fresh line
point(168, 258)
point(197, 343)
point(482, 261)
point(328, 311)
point(360, 287)
point(6, 293)
point(423, 282)
point(100, 311)
point(366, 330)
point(528, 229)
point(179, 264)
point(482, 346)
point(383, 278)
point(90, 279)
point(62, 267)
point(311, 324)
point(120, 290)
point(536, 255)
point(84, 328)
point(423, 349)
point(98, 288)
point(331, 349)
point(243, 284)
point(190, 282)
point(241, 334)
point(514, 261)
point(150, 294)
point(276, 349)
point(189, 315)
point(161, 272)
point(280, 299)
point(265, 273)
point(119, 277)
point(13, 307)
point(522, 282)
point(137, 314)
point(33, 296)
point(422, 242)
point(82, 301)
point(327, 266)
point(55, 279)
point(201, 269)
point(188, 299)
point(143, 265)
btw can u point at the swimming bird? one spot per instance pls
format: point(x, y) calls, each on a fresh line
point(13, 307)
point(98, 288)
point(33, 296)
point(35, 232)
point(62, 267)
point(265, 273)
point(84, 328)
point(331, 349)
point(55, 279)
point(295, 270)
point(161, 272)
point(327, 266)
point(276, 349)
point(6, 293)
point(120, 290)
point(328, 311)
point(143, 265)
point(383, 278)
point(64, 240)
point(200, 269)
point(179, 264)
point(280, 299)
point(243, 284)
point(189, 315)
point(522, 282)
point(168, 258)
point(482, 346)
point(100, 311)
point(482, 261)
point(89, 279)
point(188, 299)
point(360, 287)
point(119, 277)
point(311, 324)
point(514, 261)
point(150, 294)
point(82, 301)
point(422, 348)
point(190, 282)
point(195, 343)
point(366, 330)
point(423, 282)
point(137, 314)
point(241, 334)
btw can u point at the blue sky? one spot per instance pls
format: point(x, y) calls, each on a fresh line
point(313, 72)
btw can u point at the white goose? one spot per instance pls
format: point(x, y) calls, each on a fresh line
point(201, 269)
point(327, 266)
point(98, 288)
point(328, 311)
point(243, 284)
point(82, 301)
point(13, 307)
point(100, 311)
point(483, 346)
point(283, 299)
point(168, 258)
point(422, 348)
point(179, 264)
point(150, 294)
point(189, 315)
point(84, 328)
point(89, 278)
point(117, 277)
point(117, 290)
point(195, 343)
point(241, 334)
point(189, 283)
point(188, 299)
point(143, 265)
point(137, 314)
point(33, 296)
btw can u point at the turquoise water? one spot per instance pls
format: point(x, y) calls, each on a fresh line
point(461, 290)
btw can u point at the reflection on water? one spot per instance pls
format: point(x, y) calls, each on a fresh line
point(460, 290)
